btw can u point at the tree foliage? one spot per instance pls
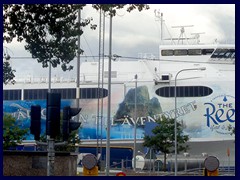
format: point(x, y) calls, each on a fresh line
point(12, 134)
point(231, 129)
point(163, 138)
point(8, 73)
point(51, 31)
point(112, 8)
point(69, 147)
point(73, 139)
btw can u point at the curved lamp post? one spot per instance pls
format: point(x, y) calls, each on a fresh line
point(175, 122)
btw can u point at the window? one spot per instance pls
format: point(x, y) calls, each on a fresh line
point(12, 94)
point(30, 94)
point(207, 51)
point(167, 52)
point(194, 52)
point(184, 91)
point(67, 93)
point(185, 52)
point(223, 53)
point(93, 93)
point(41, 93)
point(227, 54)
point(230, 54)
point(180, 52)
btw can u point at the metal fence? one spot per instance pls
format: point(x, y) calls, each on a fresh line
point(189, 167)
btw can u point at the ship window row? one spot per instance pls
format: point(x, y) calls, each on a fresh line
point(13, 94)
point(224, 53)
point(69, 93)
point(184, 91)
point(186, 52)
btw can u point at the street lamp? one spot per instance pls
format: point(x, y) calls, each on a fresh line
point(175, 122)
point(109, 99)
point(135, 125)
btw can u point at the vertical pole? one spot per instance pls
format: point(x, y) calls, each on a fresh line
point(161, 27)
point(109, 100)
point(175, 122)
point(150, 169)
point(98, 92)
point(78, 67)
point(49, 77)
point(135, 125)
point(175, 125)
point(51, 156)
point(102, 80)
point(50, 141)
point(122, 165)
point(185, 165)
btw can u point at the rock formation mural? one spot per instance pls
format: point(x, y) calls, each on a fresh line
point(145, 106)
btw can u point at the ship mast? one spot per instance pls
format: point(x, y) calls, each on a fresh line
point(159, 17)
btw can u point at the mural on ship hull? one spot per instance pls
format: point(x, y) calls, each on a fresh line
point(202, 117)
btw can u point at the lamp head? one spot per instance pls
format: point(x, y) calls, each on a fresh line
point(136, 76)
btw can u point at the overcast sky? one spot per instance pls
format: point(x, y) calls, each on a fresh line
point(139, 32)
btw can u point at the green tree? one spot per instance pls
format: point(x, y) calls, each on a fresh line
point(69, 147)
point(73, 139)
point(12, 134)
point(8, 73)
point(231, 129)
point(51, 31)
point(163, 138)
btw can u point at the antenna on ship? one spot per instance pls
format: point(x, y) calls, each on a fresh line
point(159, 17)
point(182, 35)
point(197, 37)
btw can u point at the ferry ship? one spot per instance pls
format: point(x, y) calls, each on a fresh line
point(205, 99)
point(204, 78)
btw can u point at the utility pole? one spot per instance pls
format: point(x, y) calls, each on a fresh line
point(103, 39)
point(109, 99)
point(78, 66)
point(99, 69)
point(50, 141)
point(135, 125)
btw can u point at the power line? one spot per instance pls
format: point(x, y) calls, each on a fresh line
point(138, 58)
point(88, 47)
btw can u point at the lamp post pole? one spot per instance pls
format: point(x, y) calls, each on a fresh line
point(78, 66)
point(109, 100)
point(175, 122)
point(135, 125)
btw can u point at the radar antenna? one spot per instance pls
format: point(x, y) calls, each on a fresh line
point(182, 35)
point(197, 37)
